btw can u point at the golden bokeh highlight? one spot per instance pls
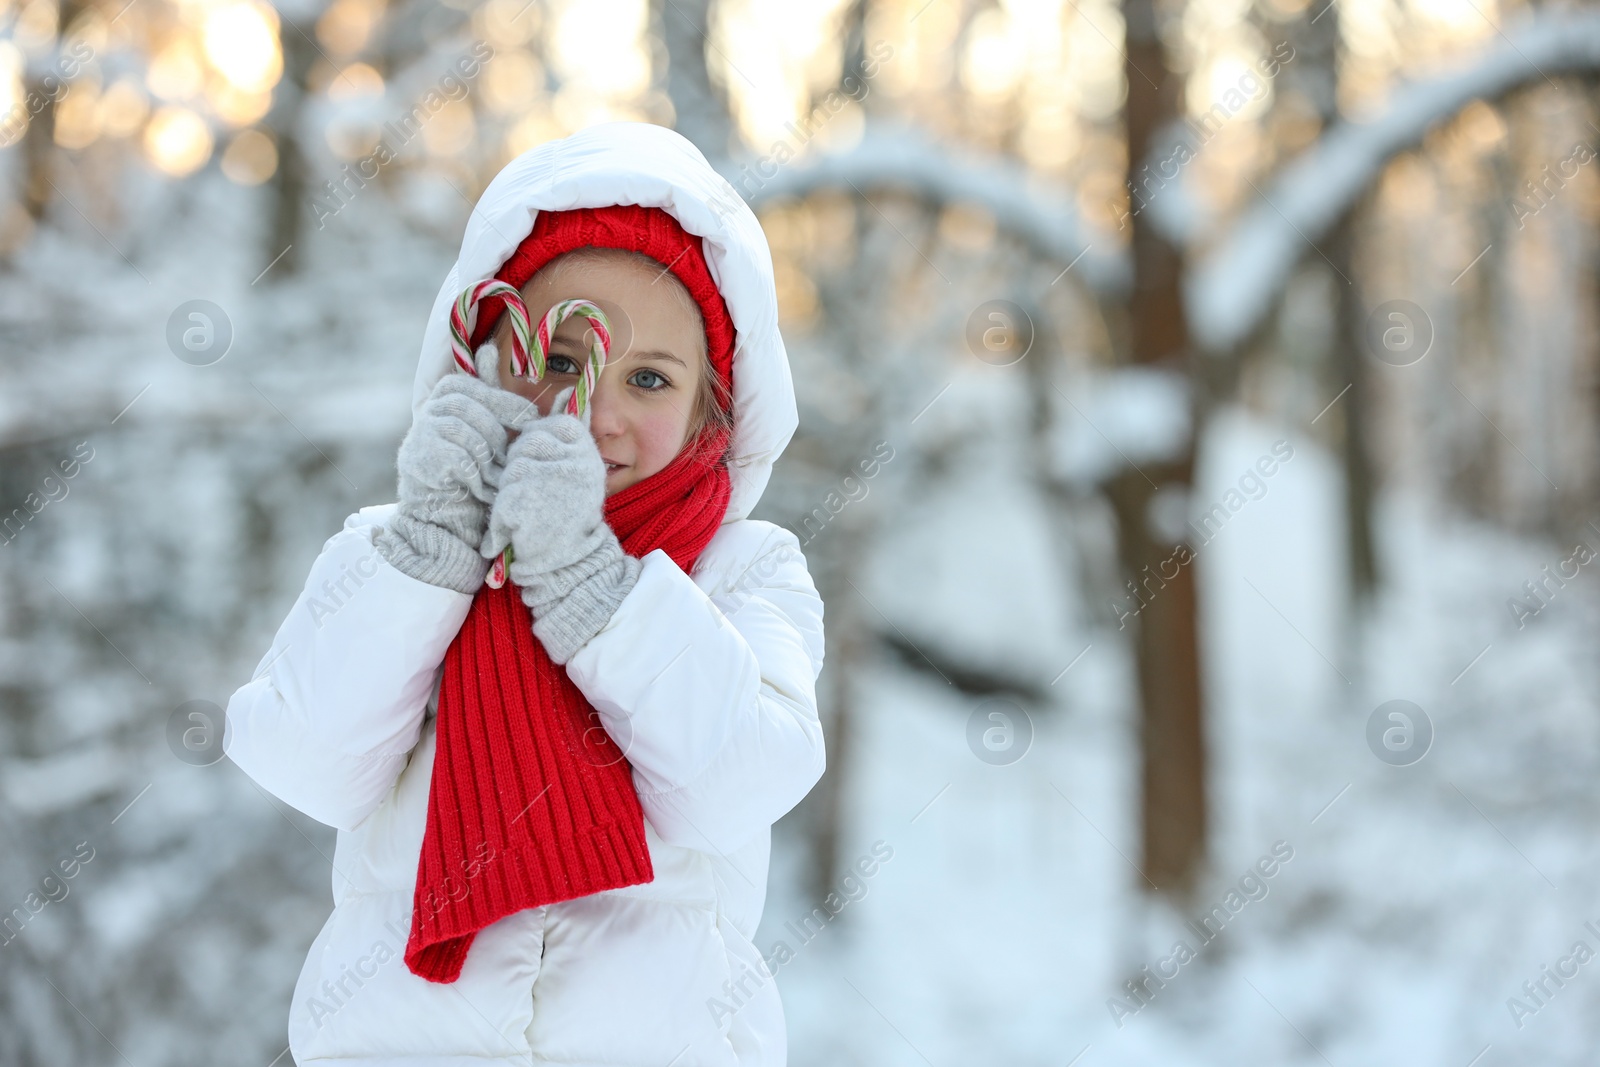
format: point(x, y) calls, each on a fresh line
point(177, 140)
point(250, 158)
point(451, 130)
point(507, 23)
point(123, 108)
point(346, 27)
point(355, 82)
point(511, 82)
point(78, 116)
point(175, 73)
point(35, 29)
point(241, 43)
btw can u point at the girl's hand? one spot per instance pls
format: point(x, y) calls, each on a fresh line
point(449, 465)
point(552, 494)
point(551, 510)
point(458, 445)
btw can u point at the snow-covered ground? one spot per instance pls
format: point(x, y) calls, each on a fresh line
point(1418, 898)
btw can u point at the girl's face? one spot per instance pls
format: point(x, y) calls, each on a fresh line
point(641, 407)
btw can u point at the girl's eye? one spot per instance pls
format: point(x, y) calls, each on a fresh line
point(652, 374)
point(555, 364)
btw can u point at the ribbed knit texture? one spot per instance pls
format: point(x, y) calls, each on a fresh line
point(431, 553)
point(531, 802)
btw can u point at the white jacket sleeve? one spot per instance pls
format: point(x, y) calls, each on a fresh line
point(716, 712)
point(337, 703)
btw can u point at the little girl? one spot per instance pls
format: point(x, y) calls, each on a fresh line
point(554, 796)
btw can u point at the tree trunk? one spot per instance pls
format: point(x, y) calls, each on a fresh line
point(846, 638)
point(1171, 733)
point(289, 182)
point(701, 108)
point(39, 141)
point(1352, 369)
point(38, 150)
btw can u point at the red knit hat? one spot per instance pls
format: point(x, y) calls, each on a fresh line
point(636, 229)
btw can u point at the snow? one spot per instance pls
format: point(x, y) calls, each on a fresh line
point(1414, 904)
point(62, 782)
point(1231, 287)
point(1119, 416)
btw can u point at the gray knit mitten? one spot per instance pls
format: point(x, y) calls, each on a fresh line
point(450, 464)
point(551, 510)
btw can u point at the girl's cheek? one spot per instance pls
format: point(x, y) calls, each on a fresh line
point(663, 436)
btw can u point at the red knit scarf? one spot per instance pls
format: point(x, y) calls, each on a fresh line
point(531, 801)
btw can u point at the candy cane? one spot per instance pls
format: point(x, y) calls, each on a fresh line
point(464, 317)
point(599, 347)
point(528, 349)
point(528, 353)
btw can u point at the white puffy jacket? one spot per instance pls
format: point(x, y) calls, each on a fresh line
point(723, 737)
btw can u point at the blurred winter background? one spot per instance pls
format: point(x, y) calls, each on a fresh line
point(1199, 458)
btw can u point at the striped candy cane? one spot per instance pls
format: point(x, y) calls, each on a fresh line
point(528, 353)
point(464, 318)
point(599, 347)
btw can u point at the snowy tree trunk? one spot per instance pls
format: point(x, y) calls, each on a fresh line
point(1314, 74)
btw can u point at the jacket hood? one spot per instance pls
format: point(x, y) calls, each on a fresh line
point(651, 166)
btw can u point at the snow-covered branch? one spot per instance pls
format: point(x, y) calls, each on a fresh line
point(893, 154)
point(1230, 289)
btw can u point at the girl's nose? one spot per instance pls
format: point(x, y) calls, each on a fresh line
point(604, 413)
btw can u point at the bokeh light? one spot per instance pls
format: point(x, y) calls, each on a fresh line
point(250, 158)
point(241, 42)
point(177, 140)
